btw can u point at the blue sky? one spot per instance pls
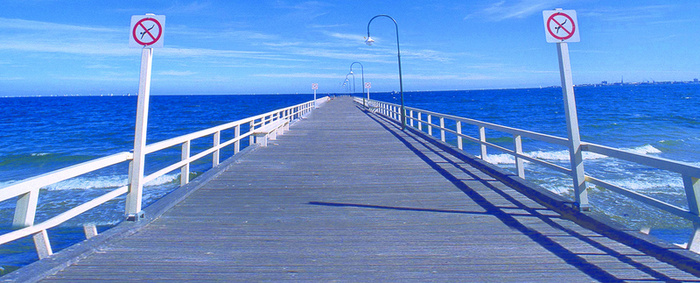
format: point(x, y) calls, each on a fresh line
point(225, 47)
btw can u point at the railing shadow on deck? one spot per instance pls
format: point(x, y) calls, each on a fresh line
point(507, 218)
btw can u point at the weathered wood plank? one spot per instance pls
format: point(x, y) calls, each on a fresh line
point(345, 195)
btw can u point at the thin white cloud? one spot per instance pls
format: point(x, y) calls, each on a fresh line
point(299, 75)
point(85, 48)
point(176, 73)
point(19, 24)
point(282, 44)
point(631, 14)
point(11, 78)
point(452, 77)
point(306, 9)
point(382, 76)
point(354, 37)
point(519, 9)
point(237, 35)
point(189, 8)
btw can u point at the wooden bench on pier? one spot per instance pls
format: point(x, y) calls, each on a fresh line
point(270, 131)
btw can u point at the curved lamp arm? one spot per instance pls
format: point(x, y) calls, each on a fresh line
point(369, 41)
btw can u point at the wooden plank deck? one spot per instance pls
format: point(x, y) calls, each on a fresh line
point(347, 196)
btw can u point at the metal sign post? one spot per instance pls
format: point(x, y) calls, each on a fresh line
point(561, 27)
point(368, 85)
point(147, 32)
point(314, 86)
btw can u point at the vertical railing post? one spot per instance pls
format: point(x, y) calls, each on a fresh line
point(430, 125)
point(251, 138)
point(25, 210)
point(90, 230)
point(459, 135)
point(185, 170)
point(420, 121)
point(237, 143)
point(42, 244)
point(411, 116)
point(442, 129)
point(482, 139)
point(217, 153)
point(519, 164)
point(692, 193)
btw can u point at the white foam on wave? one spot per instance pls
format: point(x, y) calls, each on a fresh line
point(500, 158)
point(669, 185)
point(563, 155)
point(40, 154)
point(87, 183)
point(104, 182)
point(645, 149)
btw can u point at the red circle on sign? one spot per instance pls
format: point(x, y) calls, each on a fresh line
point(569, 34)
point(147, 32)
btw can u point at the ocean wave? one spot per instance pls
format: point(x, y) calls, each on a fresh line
point(670, 185)
point(563, 155)
point(645, 149)
point(106, 182)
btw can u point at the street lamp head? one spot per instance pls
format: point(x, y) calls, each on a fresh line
point(369, 41)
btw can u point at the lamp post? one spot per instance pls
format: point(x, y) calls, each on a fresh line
point(353, 82)
point(346, 83)
point(369, 41)
point(363, 76)
point(347, 80)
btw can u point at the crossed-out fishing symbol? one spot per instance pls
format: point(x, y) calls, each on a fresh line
point(560, 26)
point(148, 33)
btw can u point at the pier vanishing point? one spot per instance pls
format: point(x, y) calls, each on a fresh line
point(346, 195)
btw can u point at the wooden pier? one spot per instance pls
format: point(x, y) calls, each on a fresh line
point(345, 195)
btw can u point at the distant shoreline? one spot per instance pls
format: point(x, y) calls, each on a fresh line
point(602, 84)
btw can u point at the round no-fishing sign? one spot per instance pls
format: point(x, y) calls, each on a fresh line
point(147, 31)
point(561, 26)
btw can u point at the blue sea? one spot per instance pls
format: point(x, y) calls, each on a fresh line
point(41, 134)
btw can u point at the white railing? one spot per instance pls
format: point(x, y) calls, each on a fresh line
point(27, 191)
point(424, 121)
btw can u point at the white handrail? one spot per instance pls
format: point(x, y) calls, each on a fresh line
point(651, 161)
point(51, 178)
point(28, 190)
point(689, 173)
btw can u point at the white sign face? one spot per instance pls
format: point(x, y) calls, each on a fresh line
point(368, 85)
point(314, 86)
point(146, 31)
point(561, 26)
